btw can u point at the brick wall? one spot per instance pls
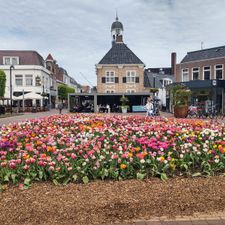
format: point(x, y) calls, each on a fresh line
point(200, 64)
point(120, 72)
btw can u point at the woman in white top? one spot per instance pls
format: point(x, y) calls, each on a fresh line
point(149, 108)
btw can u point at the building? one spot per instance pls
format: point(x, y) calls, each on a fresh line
point(159, 78)
point(32, 75)
point(120, 70)
point(203, 72)
point(28, 75)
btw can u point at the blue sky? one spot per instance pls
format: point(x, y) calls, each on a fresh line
point(77, 32)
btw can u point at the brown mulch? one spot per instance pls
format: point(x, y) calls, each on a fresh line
point(103, 202)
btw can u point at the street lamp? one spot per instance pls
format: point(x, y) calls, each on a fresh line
point(154, 83)
point(10, 70)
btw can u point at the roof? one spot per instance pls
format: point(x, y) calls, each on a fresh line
point(149, 79)
point(204, 54)
point(120, 54)
point(117, 24)
point(160, 70)
point(49, 57)
point(25, 57)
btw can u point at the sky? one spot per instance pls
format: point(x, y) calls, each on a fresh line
point(77, 32)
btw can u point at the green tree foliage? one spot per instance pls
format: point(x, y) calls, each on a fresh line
point(2, 83)
point(64, 90)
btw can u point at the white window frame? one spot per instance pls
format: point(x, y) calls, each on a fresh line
point(11, 60)
point(206, 70)
point(18, 77)
point(29, 77)
point(130, 90)
point(216, 69)
point(166, 82)
point(110, 77)
point(131, 76)
point(109, 91)
point(197, 70)
point(186, 73)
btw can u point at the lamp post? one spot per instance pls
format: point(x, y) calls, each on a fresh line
point(43, 94)
point(154, 84)
point(10, 73)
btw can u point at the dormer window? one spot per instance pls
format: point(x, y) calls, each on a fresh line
point(10, 60)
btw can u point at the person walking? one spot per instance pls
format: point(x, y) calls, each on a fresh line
point(60, 107)
point(149, 107)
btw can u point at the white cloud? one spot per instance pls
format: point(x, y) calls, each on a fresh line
point(77, 32)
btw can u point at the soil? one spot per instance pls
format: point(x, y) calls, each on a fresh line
point(104, 202)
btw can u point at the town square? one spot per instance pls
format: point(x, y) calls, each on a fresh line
point(112, 135)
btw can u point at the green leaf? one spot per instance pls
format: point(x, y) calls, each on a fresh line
point(196, 174)
point(163, 177)
point(27, 182)
point(75, 177)
point(185, 166)
point(40, 174)
point(85, 180)
point(6, 177)
point(55, 182)
point(66, 181)
point(13, 176)
point(140, 176)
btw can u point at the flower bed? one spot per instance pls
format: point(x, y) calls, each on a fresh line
point(79, 148)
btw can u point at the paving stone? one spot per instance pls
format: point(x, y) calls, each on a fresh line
point(215, 222)
point(169, 223)
point(140, 223)
point(153, 223)
point(185, 223)
point(199, 222)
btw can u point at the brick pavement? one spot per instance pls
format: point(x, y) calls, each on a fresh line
point(196, 219)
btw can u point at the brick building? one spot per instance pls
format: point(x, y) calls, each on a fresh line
point(120, 70)
point(203, 72)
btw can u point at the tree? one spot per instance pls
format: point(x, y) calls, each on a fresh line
point(2, 83)
point(64, 90)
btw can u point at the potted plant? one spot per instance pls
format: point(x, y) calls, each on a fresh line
point(124, 104)
point(180, 95)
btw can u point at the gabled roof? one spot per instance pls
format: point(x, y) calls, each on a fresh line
point(149, 80)
point(25, 57)
point(49, 57)
point(120, 54)
point(160, 70)
point(204, 54)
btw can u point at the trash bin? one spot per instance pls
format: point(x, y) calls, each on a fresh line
point(34, 109)
point(2, 109)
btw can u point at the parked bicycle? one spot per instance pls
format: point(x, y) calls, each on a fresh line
point(192, 112)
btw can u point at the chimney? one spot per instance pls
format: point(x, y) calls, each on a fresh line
point(119, 39)
point(173, 63)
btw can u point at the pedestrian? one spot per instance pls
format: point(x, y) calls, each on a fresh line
point(149, 108)
point(60, 107)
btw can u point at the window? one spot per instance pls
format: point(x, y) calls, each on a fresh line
point(130, 76)
point(14, 61)
point(37, 81)
point(166, 82)
point(219, 72)
point(29, 80)
point(130, 91)
point(185, 75)
point(206, 73)
point(195, 73)
point(19, 80)
point(109, 91)
point(110, 77)
point(8, 60)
